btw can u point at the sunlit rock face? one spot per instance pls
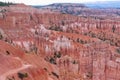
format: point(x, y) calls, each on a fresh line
point(44, 45)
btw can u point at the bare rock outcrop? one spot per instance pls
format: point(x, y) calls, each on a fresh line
point(57, 46)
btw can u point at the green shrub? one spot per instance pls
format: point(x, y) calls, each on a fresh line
point(55, 74)
point(57, 54)
point(5, 4)
point(56, 28)
point(8, 53)
point(22, 75)
point(52, 60)
point(118, 50)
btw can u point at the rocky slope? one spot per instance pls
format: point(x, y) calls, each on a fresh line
point(45, 45)
point(84, 9)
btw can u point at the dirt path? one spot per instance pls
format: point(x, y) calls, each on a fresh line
point(4, 75)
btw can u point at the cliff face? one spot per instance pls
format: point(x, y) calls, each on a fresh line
point(43, 45)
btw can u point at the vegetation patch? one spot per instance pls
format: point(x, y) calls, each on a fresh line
point(118, 50)
point(22, 75)
point(6, 3)
point(55, 74)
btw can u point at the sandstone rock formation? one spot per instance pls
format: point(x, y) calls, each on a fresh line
point(44, 45)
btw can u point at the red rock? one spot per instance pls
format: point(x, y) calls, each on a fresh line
point(55, 46)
